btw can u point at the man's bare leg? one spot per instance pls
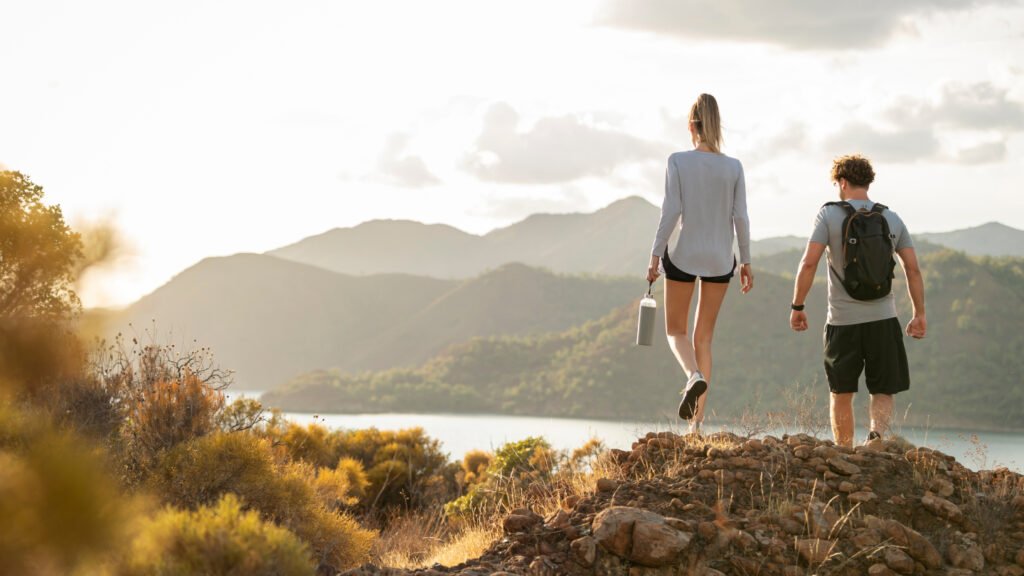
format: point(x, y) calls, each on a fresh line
point(881, 413)
point(842, 419)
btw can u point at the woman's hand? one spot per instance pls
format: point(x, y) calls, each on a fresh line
point(917, 327)
point(746, 278)
point(652, 269)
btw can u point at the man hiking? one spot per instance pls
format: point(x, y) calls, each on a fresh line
point(862, 332)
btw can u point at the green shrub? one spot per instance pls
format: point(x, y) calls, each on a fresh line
point(222, 539)
point(60, 510)
point(312, 444)
point(242, 414)
point(531, 456)
point(474, 466)
point(514, 467)
point(404, 468)
point(199, 472)
point(343, 486)
point(165, 414)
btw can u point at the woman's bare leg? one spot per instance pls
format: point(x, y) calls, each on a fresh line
point(677, 311)
point(709, 303)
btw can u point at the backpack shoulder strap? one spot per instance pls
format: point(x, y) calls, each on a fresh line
point(844, 205)
point(889, 236)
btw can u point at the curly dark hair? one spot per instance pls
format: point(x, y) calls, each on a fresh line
point(855, 168)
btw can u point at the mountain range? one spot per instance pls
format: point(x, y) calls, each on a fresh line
point(333, 301)
point(611, 241)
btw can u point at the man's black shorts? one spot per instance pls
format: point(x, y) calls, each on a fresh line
point(876, 348)
point(672, 272)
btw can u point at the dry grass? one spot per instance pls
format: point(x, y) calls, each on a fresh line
point(469, 543)
point(424, 539)
point(421, 540)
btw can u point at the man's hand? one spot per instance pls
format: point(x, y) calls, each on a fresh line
point(918, 327)
point(746, 278)
point(652, 269)
point(798, 320)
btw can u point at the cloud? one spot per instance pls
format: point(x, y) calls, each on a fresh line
point(915, 127)
point(984, 153)
point(403, 169)
point(796, 24)
point(886, 146)
point(555, 149)
point(974, 107)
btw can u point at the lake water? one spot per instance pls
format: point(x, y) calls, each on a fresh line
point(460, 433)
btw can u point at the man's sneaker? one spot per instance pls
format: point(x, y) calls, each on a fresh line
point(695, 387)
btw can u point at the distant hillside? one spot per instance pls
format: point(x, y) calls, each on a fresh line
point(614, 240)
point(513, 300)
point(770, 246)
point(992, 239)
point(271, 319)
point(967, 373)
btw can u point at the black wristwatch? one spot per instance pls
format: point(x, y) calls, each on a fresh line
point(797, 307)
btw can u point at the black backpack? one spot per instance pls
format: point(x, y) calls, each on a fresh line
point(868, 248)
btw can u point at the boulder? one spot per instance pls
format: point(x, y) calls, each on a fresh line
point(640, 536)
point(657, 544)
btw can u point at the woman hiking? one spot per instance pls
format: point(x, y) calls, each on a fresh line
point(705, 195)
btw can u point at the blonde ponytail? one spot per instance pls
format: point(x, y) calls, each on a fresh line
point(704, 115)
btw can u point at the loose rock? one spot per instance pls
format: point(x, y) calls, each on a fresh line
point(840, 465)
point(584, 550)
point(814, 551)
point(899, 561)
point(941, 507)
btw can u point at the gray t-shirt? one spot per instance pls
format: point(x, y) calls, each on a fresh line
point(828, 230)
point(706, 197)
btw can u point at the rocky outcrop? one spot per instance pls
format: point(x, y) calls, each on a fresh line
point(720, 504)
point(640, 536)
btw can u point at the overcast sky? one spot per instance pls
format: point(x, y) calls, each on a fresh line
point(209, 128)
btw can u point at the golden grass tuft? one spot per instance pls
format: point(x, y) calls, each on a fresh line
point(421, 540)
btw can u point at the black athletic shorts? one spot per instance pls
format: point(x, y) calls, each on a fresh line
point(673, 273)
point(876, 348)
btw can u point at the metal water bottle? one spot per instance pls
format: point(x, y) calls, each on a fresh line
point(645, 323)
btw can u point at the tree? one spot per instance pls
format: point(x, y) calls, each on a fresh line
point(38, 253)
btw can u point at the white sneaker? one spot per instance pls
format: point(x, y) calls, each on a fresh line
point(696, 386)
